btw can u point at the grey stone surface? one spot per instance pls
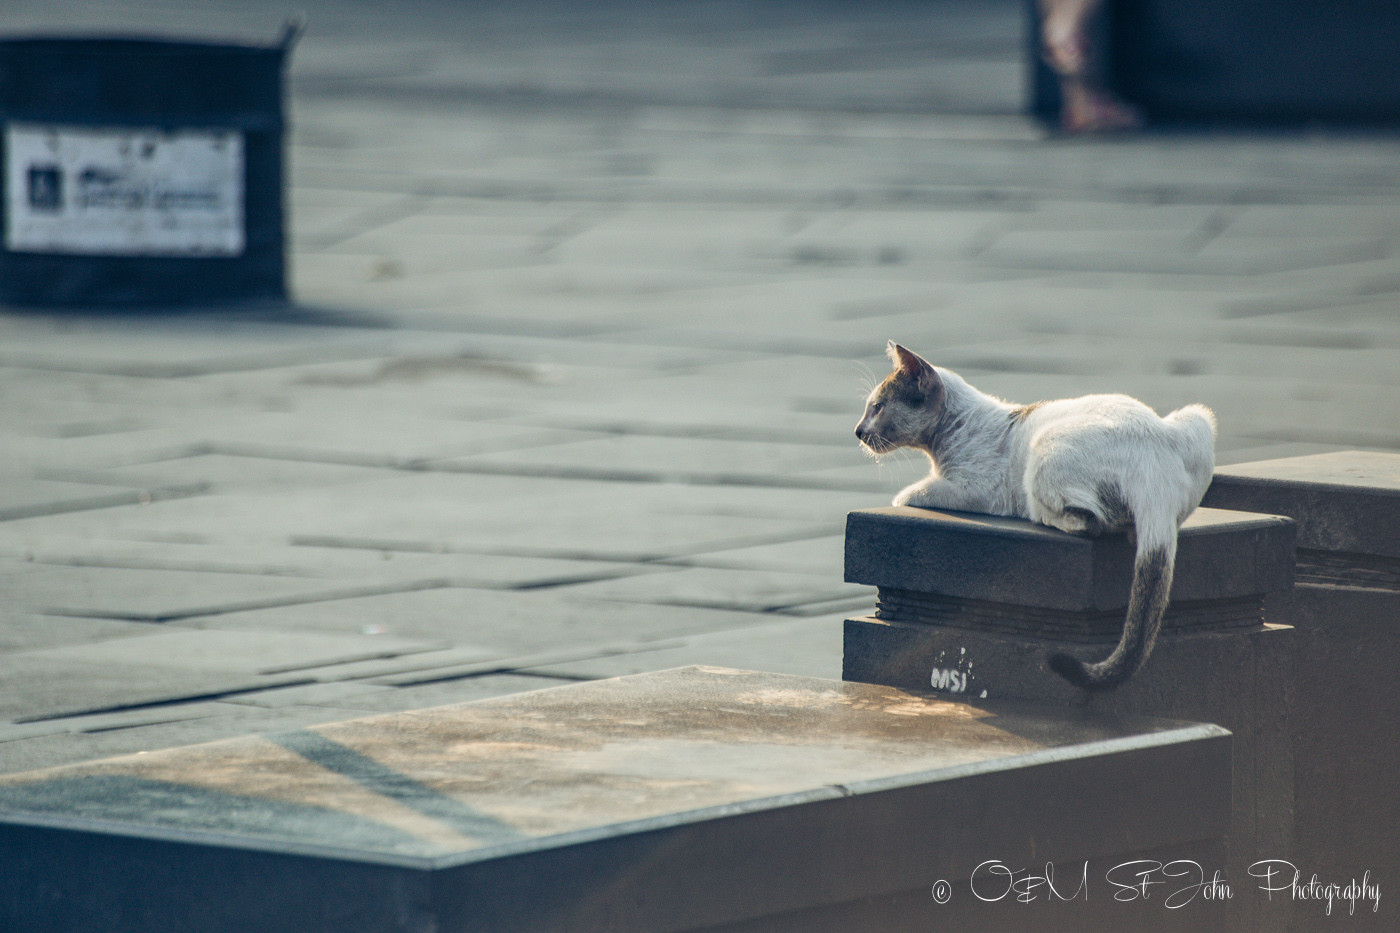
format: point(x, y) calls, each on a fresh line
point(158, 595)
point(804, 647)
point(1220, 555)
point(1243, 680)
point(1345, 609)
point(1345, 502)
point(589, 293)
point(672, 800)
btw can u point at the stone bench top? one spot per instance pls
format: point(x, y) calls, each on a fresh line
point(1220, 555)
point(1345, 501)
point(510, 775)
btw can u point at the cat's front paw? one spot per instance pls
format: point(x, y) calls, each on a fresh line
point(907, 496)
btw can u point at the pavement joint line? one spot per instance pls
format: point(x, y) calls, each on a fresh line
point(420, 547)
point(94, 724)
point(701, 549)
point(544, 471)
point(179, 615)
point(324, 457)
point(656, 477)
point(552, 583)
point(148, 457)
point(798, 609)
point(372, 218)
point(175, 566)
point(162, 702)
point(518, 664)
point(234, 364)
point(708, 432)
point(871, 195)
point(386, 655)
point(130, 496)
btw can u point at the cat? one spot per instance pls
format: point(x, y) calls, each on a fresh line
point(1090, 465)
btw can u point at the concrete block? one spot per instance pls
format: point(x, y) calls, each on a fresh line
point(1346, 610)
point(692, 799)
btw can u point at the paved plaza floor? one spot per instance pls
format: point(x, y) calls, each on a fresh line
point(587, 297)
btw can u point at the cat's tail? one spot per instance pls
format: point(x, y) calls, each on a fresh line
point(1147, 603)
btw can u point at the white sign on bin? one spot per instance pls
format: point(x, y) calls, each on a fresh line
point(123, 192)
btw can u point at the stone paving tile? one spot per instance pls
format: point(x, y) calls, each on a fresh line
point(155, 596)
point(260, 653)
point(30, 498)
point(348, 564)
point(442, 511)
point(187, 348)
point(745, 590)
point(822, 556)
point(42, 684)
point(483, 624)
point(220, 472)
point(25, 631)
point(14, 736)
point(186, 724)
point(674, 455)
point(807, 647)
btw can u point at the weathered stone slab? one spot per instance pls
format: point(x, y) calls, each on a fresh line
point(682, 800)
point(1220, 555)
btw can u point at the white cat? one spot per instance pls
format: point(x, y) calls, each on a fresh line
point(1088, 465)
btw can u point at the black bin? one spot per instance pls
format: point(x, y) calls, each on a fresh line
point(141, 171)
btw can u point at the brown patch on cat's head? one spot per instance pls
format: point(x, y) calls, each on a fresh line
point(904, 409)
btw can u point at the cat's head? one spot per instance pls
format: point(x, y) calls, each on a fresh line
point(901, 410)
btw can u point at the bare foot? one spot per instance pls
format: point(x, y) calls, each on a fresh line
point(1087, 109)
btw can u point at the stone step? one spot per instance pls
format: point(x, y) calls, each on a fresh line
point(689, 799)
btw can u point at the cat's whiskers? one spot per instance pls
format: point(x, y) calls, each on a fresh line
point(869, 380)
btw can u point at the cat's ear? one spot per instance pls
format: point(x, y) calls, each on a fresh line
point(911, 364)
point(902, 359)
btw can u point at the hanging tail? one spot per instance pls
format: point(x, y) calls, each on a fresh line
point(1147, 603)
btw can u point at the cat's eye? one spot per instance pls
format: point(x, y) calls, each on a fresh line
point(875, 407)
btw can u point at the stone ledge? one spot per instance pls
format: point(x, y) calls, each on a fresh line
point(1346, 504)
point(1221, 555)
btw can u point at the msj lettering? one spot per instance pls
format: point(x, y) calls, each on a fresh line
point(952, 681)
